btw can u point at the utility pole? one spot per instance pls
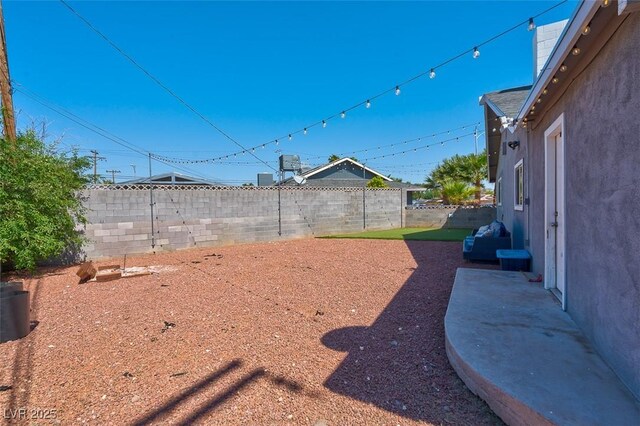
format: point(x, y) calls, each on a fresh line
point(8, 118)
point(113, 175)
point(475, 137)
point(95, 164)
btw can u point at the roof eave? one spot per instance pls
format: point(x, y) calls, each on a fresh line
point(570, 35)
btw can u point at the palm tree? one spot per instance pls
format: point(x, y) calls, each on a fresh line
point(455, 192)
point(471, 169)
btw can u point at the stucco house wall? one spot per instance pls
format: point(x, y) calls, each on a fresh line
point(515, 221)
point(602, 184)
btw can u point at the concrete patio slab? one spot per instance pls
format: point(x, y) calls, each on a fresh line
point(513, 346)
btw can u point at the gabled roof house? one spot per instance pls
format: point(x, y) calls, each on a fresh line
point(171, 178)
point(345, 172)
point(564, 155)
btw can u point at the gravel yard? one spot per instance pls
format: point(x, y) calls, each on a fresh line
point(312, 332)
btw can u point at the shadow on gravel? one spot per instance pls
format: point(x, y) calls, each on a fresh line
point(220, 398)
point(399, 363)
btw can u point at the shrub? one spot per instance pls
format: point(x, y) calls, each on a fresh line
point(39, 200)
point(377, 182)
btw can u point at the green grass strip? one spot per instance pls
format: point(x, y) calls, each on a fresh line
point(418, 234)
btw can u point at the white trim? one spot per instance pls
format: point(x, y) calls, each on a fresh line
point(555, 129)
point(516, 206)
point(572, 32)
point(484, 100)
point(342, 160)
point(499, 191)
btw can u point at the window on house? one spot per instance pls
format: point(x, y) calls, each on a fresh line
point(519, 185)
point(499, 191)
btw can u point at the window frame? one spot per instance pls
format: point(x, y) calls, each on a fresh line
point(518, 186)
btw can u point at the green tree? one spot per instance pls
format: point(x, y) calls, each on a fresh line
point(377, 182)
point(334, 157)
point(471, 169)
point(40, 202)
point(456, 192)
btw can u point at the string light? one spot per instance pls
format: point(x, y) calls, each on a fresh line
point(555, 80)
point(305, 131)
point(403, 142)
point(397, 90)
point(476, 53)
point(277, 142)
point(290, 136)
point(563, 68)
point(343, 114)
point(532, 25)
point(606, 3)
point(324, 124)
point(432, 74)
point(575, 51)
point(587, 29)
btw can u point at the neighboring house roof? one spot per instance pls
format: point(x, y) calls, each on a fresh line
point(311, 172)
point(171, 178)
point(324, 177)
point(507, 102)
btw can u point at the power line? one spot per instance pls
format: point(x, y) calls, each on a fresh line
point(221, 159)
point(159, 83)
point(323, 122)
point(442, 142)
point(94, 128)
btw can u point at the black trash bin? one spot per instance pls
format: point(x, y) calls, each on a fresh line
point(14, 312)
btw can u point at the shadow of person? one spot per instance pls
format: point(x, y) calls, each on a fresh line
point(399, 363)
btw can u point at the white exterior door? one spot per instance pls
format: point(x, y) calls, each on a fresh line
point(555, 272)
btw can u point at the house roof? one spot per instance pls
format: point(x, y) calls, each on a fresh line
point(349, 183)
point(500, 106)
point(316, 170)
point(171, 178)
point(507, 102)
point(328, 182)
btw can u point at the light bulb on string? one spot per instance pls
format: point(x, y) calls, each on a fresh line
point(368, 104)
point(343, 114)
point(476, 53)
point(397, 90)
point(432, 73)
point(277, 143)
point(290, 137)
point(532, 25)
point(324, 124)
point(305, 131)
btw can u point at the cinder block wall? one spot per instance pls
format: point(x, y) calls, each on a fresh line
point(120, 219)
point(449, 217)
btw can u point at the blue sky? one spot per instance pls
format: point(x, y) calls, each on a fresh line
point(260, 70)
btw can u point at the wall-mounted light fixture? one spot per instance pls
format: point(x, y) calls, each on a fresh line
point(513, 144)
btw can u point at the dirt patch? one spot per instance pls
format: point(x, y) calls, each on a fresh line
point(306, 332)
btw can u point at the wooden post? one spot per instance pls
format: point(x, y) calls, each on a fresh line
point(8, 118)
